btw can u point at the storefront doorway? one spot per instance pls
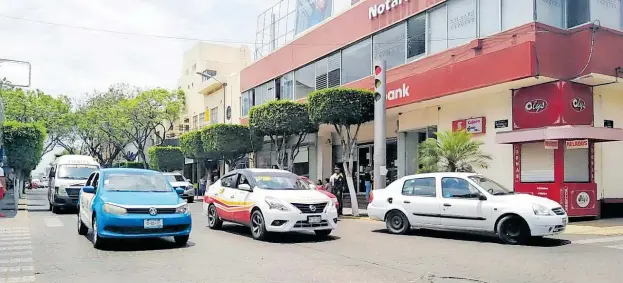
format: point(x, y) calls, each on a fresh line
point(365, 163)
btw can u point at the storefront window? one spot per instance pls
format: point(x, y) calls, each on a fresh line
point(286, 87)
point(357, 61)
point(537, 163)
point(577, 165)
point(245, 103)
point(264, 93)
point(389, 45)
point(438, 30)
point(550, 12)
point(608, 12)
point(305, 81)
point(462, 27)
point(416, 37)
point(577, 13)
point(489, 17)
point(516, 13)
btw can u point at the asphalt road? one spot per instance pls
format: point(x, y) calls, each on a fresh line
point(47, 248)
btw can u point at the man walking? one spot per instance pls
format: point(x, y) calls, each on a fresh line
point(338, 183)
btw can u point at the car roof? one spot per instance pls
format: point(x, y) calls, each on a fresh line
point(443, 174)
point(259, 171)
point(128, 170)
point(171, 173)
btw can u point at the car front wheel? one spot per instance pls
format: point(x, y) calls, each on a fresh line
point(82, 229)
point(181, 240)
point(98, 242)
point(214, 221)
point(323, 234)
point(397, 223)
point(513, 230)
point(258, 227)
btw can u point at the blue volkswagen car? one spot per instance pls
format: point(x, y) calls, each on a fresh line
point(132, 203)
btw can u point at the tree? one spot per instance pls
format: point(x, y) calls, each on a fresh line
point(452, 152)
point(287, 124)
point(191, 146)
point(230, 142)
point(24, 145)
point(346, 109)
point(166, 158)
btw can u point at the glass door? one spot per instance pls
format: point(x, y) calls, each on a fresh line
point(364, 157)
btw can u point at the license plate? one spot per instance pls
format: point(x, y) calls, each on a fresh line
point(152, 223)
point(314, 219)
point(564, 221)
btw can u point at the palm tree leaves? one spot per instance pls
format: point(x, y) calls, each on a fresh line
point(452, 152)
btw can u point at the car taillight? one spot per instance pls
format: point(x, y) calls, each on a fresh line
point(371, 197)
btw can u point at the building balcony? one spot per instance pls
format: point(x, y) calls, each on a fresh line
point(212, 85)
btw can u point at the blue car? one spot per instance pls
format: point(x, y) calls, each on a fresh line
point(130, 204)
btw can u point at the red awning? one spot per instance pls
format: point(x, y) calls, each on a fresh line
point(561, 133)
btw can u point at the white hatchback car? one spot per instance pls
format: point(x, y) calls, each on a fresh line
point(465, 202)
point(269, 200)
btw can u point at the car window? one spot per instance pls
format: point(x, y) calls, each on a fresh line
point(422, 187)
point(175, 178)
point(242, 179)
point(90, 180)
point(136, 182)
point(452, 187)
point(229, 181)
point(95, 180)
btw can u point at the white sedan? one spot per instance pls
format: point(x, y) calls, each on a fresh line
point(465, 202)
point(269, 200)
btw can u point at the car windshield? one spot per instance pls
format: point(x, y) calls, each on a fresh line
point(491, 186)
point(136, 182)
point(175, 178)
point(75, 172)
point(280, 182)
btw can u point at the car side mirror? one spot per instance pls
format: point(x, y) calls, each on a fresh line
point(244, 187)
point(188, 180)
point(88, 189)
point(179, 191)
point(482, 197)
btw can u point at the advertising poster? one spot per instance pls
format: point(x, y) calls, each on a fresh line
point(311, 12)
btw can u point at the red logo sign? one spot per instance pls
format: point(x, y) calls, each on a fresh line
point(471, 125)
point(535, 106)
point(578, 104)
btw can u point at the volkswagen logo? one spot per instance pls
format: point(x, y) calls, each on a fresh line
point(153, 211)
point(312, 208)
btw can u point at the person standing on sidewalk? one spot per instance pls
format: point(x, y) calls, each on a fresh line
point(338, 183)
point(3, 187)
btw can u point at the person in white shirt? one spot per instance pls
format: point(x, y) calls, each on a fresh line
point(3, 187)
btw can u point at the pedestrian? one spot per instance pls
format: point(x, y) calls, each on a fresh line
point(327, 185)
point(202, 186)
point(3, 187)
point(367, 178)
point(319, 184)
point(338, 183)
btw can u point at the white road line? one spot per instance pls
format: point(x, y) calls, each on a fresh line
point(598, 240)
point(53, 222)
point(25, 238)
point(8, 233)
point(618, 247)
point(22, 235)
point(5, 242)
point(16, 260)
point(11, 254)
point(14, 269)
point(16, 248)
point(18, 279)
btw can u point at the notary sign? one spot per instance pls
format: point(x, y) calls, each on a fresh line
point(577, 144)
point(380, 9)
point(550, 144)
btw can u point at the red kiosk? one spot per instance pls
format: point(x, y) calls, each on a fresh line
point(554, 145)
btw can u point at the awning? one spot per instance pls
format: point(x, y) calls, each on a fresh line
point(561, 133)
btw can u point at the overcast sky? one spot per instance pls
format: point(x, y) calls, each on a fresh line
point(75, 61)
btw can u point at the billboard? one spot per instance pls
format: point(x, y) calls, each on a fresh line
point(312, 12)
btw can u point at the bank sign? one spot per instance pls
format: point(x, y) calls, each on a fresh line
point(380, 9)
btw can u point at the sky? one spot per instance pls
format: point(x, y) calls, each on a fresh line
point(74, 61)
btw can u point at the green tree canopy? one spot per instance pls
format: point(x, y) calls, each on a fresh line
point(166, 158)
point(231, 142)
point(24, 144)
point(286, 123)
point(452, 152)
point(346, 109)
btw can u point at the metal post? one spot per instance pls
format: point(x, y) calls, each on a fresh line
point(224, 105)
point(380, 131)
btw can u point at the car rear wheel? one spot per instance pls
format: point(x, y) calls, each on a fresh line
point(190, 199)
point(513, 230)
point(397, 223)
point(258, 228)
point(214, 221)
point(181, 240)
point(55, 209)
point(82, 229)
point(323, 234)
point(98, 242)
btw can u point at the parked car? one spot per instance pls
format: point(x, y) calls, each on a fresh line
point(465, 202)
point(269, 200)
point(177, 180)
point(320, 189)
point(132, 203)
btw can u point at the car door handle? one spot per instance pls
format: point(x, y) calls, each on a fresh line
point(406, 201)
point(447, 204)
point(232, 196)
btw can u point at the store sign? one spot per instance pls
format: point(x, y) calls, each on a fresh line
point(398, 93)
point(577, 144)
point(583, 199)
point(471, 125)
point(380, 9)
point(578, 104)
point(536, 106)
point(550, 144)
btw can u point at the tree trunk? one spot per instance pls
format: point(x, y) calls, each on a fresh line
point(348, 169)
point(142, 153)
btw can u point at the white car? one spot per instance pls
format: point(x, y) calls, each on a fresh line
point(269, 200)
point(177, 180)
point(465, 202)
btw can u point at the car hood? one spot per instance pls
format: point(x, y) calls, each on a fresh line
point(529, 200)
point(142, 198)
point(180, 184)
point(303, 196)
point(69, 183)
point(330, 195)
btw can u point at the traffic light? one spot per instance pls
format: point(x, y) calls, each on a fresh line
point(379, 80)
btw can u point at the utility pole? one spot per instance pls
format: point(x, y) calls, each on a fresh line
point(380, 133)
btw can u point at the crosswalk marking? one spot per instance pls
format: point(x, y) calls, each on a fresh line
point(16, 262)
point(5, 242)
point(53, 222)
point(14, 269)
point(598, 240)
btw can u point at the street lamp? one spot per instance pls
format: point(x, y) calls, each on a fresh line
point(208, 76)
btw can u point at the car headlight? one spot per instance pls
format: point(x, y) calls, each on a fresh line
point(182, 209)
point(274, 203)
point(330, 206)
point(113, 209)
point(190, 187)
point(541, 210)
point(60, 191)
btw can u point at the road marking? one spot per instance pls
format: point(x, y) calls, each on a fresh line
point(53, 222)
point(618, 247)
point(5, 242)
point(16, 269)
point(598, 240)
point(16, 260)
point(10, 254)
point(14, 238)
point(18, 279)
point(15, 248)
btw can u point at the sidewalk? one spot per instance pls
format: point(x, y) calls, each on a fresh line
point(8, 207)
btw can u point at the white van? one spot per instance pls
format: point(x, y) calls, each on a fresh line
point(67, 175)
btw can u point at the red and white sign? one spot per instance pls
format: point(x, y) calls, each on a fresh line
point(577, 144)
point(471, 125)
point(550, 144)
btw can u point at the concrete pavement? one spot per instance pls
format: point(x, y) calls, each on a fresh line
point(359, 251)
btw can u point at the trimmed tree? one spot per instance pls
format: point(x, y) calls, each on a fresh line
point(346, 109)
point(229, 141)
point(192, 147)
point(287, 124)
point(24, 146)
point(452, 152)
point(166, 158)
